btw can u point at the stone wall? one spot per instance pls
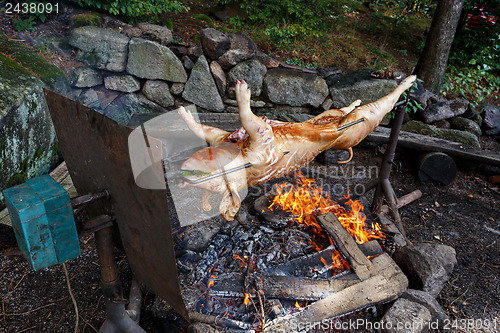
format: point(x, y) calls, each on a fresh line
point(139, 70)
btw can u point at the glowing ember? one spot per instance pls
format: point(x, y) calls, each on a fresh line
point(306, 200)
point(297, 305)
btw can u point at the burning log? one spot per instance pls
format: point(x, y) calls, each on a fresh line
point(387, 285)
point(347, 246)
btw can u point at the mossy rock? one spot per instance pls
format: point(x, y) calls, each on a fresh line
point(28, 141)
point(85, 19)
point(53, 77)
point(446, 134)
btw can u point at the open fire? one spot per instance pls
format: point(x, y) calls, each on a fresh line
point(306, 200)
point(292, 263)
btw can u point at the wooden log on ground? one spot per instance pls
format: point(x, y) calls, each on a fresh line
point(427, 143)
point(386, 286)
point(347, 246)
point(436, 166)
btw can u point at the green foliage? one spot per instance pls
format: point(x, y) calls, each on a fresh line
point(412, 106)
point(298, 62)
point(134, 10)
point(203, 18)
point(21, 24)
point(474, 83)
point(28, 21)
point(289, 19)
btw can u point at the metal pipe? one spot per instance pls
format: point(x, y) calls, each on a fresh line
point(135, 299)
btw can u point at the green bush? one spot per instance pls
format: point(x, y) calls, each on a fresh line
point(134, 10)
point(474, 83)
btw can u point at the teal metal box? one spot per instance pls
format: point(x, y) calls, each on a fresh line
point(43, 222)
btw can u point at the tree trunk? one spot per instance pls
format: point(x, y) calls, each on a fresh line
point(434, 58)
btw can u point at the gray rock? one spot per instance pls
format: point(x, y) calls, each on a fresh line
point(252, 71)
point(347, 87)
point(333, 156)
point(446, 134)
point(327, 104)
point(195, 52)
point(421, 95)
point(290, 110)
point(287, 86)
point(266, 59)
point(100, 48)
point(156, 33)
point(491, 115)
point(445, 110)
point(123, 108)
point(150, 60)
point(405, 316)
point(241, 48)
point(158, 92)
point(232, 58)
point(132, 32)
point(427, 266)
point(197, 237)
point(179, 50)
point(214, 43)
point(123, 83)
point(425, 299)
point(219, 77)
point(188, 63)
point(201, 89)
point(467, 125)
point(176, 89)
point(90, 99)
point(325, 72)
point(85, 77)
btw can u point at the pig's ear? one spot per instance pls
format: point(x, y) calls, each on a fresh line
point(230, 204)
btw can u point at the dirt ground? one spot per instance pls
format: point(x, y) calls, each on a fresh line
point(464, 215)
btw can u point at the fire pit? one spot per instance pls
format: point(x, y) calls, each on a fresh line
point(303, 261)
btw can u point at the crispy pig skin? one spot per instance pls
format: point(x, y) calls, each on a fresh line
point(277, 148)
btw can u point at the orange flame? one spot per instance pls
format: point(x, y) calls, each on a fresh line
point(306, 200)
point(247, 298)
point(297, 305)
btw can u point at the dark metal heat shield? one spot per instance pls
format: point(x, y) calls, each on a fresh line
point(97, 155)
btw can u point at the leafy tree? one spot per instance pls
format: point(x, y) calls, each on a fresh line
point(432, 63)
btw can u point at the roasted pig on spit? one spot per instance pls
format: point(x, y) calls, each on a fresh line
point(273, 148)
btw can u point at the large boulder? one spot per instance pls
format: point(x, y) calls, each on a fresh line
point(445, 110)
point(150, 60)
point(252, 71)
point(347, 87)
point(201, 89)
point(28, 144)
point(454, 135)
point(294, 88)
point(100, 48)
